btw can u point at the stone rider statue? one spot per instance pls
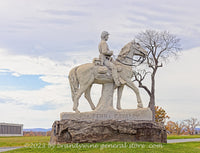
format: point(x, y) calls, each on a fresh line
point(105, 57)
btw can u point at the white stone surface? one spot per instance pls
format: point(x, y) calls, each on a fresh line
point(82, 78)
point(110, 114)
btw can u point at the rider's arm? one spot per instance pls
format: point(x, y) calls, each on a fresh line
point(105, 49)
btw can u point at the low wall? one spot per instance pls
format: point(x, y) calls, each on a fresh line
point(9, 129)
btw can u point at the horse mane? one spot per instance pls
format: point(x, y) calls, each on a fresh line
point(125, 50)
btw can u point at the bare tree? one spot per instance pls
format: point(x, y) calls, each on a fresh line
point(191, 124)
point(175, 127)
point(179, 127)
point(160, 46)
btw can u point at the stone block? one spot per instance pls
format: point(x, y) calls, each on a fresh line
point(77, 131)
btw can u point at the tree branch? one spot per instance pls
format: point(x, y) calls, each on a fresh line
point(139, 78)
point(161, 65)
point(145, 88)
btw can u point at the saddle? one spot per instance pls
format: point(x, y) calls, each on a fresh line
point(102, 69)
point(104, 73)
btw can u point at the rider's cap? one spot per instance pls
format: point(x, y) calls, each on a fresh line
point(104, 33)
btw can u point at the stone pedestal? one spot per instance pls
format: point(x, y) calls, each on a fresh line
point(108, 125)
point(76, 131)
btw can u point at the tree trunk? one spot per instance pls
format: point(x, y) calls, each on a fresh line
point(151, 106)
point(152, 97)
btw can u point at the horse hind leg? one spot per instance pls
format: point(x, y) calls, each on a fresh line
point(75, 107)
point(82, 89)
point(76, 99)
point(88, 97)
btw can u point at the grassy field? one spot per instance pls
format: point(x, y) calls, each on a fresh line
point(40, 145)
point(182, 136)
point(112, 147)
point(22, 141)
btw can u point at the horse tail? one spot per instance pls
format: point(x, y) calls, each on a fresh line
point(73, 80)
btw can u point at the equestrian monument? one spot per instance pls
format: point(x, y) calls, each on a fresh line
point(104, 123)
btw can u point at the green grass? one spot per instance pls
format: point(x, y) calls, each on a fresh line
point(21, 141)
point(40, 145)
point(113, 147)
point(182, 136)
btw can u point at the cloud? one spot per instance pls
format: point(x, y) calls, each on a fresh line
point(54, 92)
point(65, 12)
point(30, 118)
point(64, 22)
point(28, 65)
point(53, 98)
point(178, 85)
point(67, 26)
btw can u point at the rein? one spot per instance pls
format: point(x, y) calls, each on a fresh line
point(132, 60)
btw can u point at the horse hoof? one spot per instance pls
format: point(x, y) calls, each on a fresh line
point(119, 108)
point(140, 105)
point(93, 108)
point(77, 111)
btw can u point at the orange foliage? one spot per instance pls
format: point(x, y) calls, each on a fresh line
point(160, 114)
point(31, 133)
point(175, 127)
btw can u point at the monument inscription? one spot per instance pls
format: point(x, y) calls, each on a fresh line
point(126, 115)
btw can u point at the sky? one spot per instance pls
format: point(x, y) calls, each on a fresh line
point(42, 40)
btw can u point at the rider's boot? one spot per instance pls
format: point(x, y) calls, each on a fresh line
point(115, 77)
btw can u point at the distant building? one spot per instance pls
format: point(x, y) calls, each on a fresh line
point(197, 131)
point(9, 129)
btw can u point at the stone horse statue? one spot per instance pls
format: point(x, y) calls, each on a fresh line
point(82, 77)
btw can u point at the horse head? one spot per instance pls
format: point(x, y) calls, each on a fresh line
point(138, 50)
point(132, 52)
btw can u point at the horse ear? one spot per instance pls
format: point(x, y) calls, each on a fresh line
point(133, 41)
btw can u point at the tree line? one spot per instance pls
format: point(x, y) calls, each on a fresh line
point(186, 127)
point(34, 133)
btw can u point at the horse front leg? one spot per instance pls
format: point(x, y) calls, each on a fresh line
point(130, 84)
point(119, 95)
